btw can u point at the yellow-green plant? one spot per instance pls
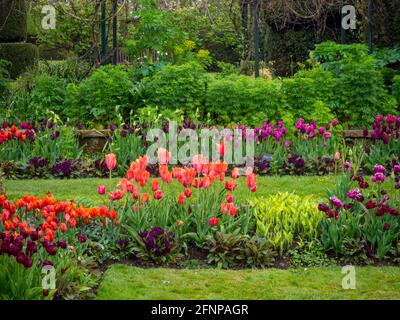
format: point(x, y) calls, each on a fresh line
point(285, 217)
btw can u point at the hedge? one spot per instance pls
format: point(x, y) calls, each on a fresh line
point(13, 20)
point(21, 55)
point(242, 99)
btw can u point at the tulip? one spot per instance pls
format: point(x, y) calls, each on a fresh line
point(235, 173)
point(144, 198)
point(111, 161)
point(63, 227)
point(251, 180)
point(230, 185)
point(101, 189)
point(163, 156)
point(337, 156)
point(198, 163)
point(336, 202)
point(379, 168)
point(188, 193)
point(229, 198)
point(222, 148)
point(181, 198)
point(155, 185)
point(158, 195)
point(116, 195)
point(213, 222)
point(232, 209)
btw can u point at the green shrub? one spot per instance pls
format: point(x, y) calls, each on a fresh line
point(361, 92)
point(284, 218)
point(71, 69)
point(13, 20)
point(360, 87)
point(242, 99)
point(100, 98)
point(307, 90)
point(4, 75)
point(21, 55)
point(47, 97)
point(176, 87)
point(396, 89)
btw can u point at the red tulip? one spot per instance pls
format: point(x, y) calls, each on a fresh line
point(229, 198)
point(181, 198)
point(155, 185)
point(158, 195)
point(232, 209)
point(116, 195)
point(213, 222)
point(222, 148)
point(63, 227)
point(188, 193)
point(230, 185)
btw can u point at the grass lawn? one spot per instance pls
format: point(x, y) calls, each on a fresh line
point(129, 283)
point(87, 188)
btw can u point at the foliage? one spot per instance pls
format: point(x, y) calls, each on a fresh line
point(284, 217)
point(155, 35)
point(76, 27)
point(47, 97)
point(241, 99)
point(158, 245)
point(70, 70)
point(101, 97)
point(13, 15)
point(386, 56)
point(4, 75)
point(396, 89)
point(21, 55)
point(359, 86)
point(309, 254)
point(308, 92)
point(19, 283)
point(227, 250)
point(176, 87)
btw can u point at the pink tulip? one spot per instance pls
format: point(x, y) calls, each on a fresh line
point(163, 156)
point(198, 162)
point(101, 190)
point(111, 161)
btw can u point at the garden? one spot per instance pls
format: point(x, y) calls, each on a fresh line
point(223, 150)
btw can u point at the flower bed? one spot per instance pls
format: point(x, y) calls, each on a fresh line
point(144, 221)
point(304, 149)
